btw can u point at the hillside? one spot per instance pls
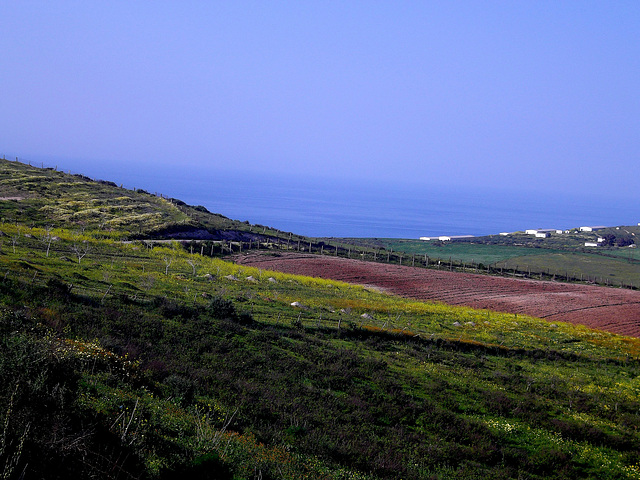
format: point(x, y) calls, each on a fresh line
point(46, 197)
point(124, 358)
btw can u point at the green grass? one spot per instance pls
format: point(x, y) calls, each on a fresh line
point(613, 271)
point(605, 265)
point(463, 252)
point(125, 361)
point(51, 198)
point(624, 253)
point(160, 369)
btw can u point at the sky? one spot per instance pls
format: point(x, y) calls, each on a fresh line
point(534, 95)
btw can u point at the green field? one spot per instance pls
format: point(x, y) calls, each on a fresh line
point(463, 252)
point(607, 266)
point(134, 360)
point(595, 268)
point(625, 253)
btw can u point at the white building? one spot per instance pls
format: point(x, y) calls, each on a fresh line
point(590, 244)
point(536, 231)
point(542, 235)
point(591, 229)
point(446, 238)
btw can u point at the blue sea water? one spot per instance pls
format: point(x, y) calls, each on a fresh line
point(348, 208)
point(324, 207)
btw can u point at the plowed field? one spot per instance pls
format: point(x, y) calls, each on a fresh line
point(611, 309)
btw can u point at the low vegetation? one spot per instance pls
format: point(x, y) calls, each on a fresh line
point(133, 360)
point(561, 256)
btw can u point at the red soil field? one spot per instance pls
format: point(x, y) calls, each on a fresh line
point(611, 309)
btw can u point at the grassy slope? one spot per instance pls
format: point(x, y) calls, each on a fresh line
point(153, 363)
point(50, 198)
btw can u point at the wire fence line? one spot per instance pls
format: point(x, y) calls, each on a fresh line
point(224, 248)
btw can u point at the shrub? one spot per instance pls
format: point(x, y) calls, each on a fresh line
point(222, 309)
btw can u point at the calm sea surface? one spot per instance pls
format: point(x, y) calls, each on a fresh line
point(350, 209)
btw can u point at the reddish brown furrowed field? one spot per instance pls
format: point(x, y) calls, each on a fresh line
point(611, 309)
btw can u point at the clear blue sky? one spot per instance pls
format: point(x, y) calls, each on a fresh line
point(525, 94)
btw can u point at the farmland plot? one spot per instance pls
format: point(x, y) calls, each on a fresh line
point(611, 309)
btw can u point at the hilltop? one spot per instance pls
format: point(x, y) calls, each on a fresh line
point(128, 354)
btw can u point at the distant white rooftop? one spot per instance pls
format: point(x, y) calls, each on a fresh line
point(444, 238)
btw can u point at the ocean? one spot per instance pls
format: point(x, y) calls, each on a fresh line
point(347, 208)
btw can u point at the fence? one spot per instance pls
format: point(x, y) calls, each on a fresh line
point(225, 248)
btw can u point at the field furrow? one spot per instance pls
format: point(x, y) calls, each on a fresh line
point(612, 309)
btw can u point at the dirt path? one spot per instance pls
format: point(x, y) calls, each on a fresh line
point(611, 309)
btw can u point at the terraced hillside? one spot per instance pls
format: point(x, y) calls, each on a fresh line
point(45, 197)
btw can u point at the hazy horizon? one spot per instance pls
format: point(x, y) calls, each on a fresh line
point(534, 96)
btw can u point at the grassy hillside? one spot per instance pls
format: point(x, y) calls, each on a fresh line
point(45, 197)
point(124, 361)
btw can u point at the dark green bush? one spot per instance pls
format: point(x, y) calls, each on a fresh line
point(222, 309)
